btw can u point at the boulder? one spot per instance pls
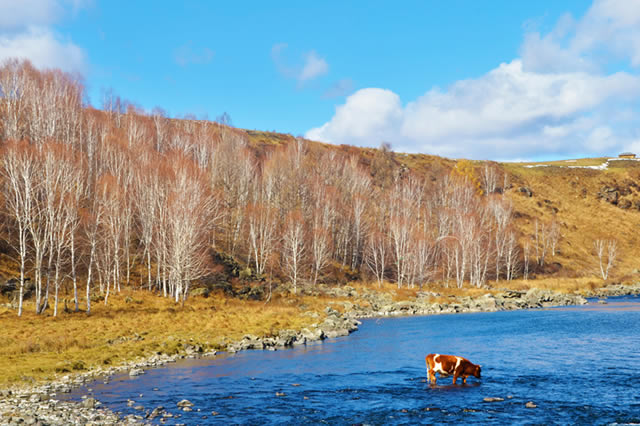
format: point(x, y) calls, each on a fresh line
point(89, 403)
point(312, 335)
point(487, 303)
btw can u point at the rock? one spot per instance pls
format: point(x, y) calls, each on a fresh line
point(609, 194)
point(202, 291)
point(526, 191)
point(138, 408)
point(156, 412)
point(530, 404)
point(187, 409)
point(28, 420)
point(185, 403)
point(136, 372)
point(312, 335)
point(214, 413)
point(286, 337)
point(281, 394)
point(493, 399)
point(35, 398)
point(624, 204)
point(89, 403)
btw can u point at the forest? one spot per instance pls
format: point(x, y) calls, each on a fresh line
point(93, 200)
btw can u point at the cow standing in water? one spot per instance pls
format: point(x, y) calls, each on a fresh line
point(450, 364)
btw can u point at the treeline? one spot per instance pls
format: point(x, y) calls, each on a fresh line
point(87, 194)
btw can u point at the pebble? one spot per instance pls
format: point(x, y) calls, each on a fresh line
point(185, 403)
point(530, 404)
point(493, 399)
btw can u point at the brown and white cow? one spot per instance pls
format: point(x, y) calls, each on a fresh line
point(450, 364)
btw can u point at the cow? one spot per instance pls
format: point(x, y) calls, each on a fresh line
point(450, 364)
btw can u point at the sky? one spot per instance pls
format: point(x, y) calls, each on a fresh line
point(498, 80)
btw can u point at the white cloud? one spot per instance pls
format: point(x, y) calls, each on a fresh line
point(555, 100)
point(26, 32)
point(366, 113)
point(44, 49)
point(313, 65)
point(186, 54)
point(19, 14)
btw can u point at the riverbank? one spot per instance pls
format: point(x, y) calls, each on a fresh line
point(29, 404)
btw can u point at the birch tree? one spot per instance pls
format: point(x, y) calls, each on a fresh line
point(607, 251)
point(293, 245)
point(19, 185)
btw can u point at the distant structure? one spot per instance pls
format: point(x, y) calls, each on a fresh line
point(627, 155)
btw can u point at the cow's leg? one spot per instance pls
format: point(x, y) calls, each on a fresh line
point(464, 380)
point(455, 377)
point(432, 377)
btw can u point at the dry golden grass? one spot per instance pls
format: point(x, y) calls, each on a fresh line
point(582, 162)
point(570, 197)
point(40, 347)
point(563, 285)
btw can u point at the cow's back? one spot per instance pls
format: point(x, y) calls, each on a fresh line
point(444, 364)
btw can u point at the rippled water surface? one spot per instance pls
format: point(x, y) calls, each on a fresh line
point(578, 365)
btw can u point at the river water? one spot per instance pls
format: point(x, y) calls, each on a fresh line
point(577, 364)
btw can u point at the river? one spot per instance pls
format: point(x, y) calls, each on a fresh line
point(577, 364)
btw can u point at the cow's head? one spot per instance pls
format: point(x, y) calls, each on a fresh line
point(476, 372)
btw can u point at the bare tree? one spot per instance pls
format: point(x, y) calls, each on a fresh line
point(501, 210)
point(293, 245)
point(376, 254)
point(19, 185)
point(511, 255)
point(13, 79)
point(554, 236)
point(526, 249)
point(191, 213)
point(489, 178)
point(62, 191)
point(606, 250)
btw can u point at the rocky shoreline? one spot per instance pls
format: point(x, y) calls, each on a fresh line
point(37, 405)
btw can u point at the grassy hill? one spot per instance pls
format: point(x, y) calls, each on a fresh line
point(586, 203)
point(572, 192)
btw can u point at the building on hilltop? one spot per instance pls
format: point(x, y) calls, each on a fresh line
point(627, 155)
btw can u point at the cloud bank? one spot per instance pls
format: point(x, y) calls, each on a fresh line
point(554, 100)
point(26, 32)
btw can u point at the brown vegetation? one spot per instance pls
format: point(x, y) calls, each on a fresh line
point(100, 204)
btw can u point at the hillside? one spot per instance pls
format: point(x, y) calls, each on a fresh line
point(119, 223)
point(589, 198)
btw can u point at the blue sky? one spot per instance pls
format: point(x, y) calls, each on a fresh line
point(503, 80)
